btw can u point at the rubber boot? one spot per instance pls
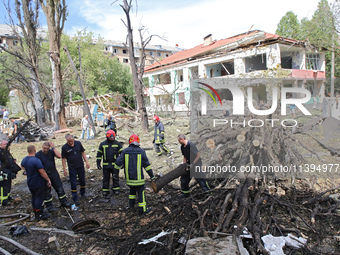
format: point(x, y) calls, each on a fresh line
point(41, 215)
point(106, 194)
point(141, 212)
point(65, 203)
point(50, 208)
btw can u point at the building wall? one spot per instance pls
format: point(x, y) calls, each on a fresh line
point(266, 58)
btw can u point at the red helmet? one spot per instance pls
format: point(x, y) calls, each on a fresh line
point(134, 138)
point(110, 133)
point(155, 117)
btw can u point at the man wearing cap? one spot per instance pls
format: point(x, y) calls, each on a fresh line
point(159, 137)
point(109, 150)
point(133, 159)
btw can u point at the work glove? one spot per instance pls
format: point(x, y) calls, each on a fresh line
point(1, 178)
point(99, 167)
point(161, 136)
point(14, 175)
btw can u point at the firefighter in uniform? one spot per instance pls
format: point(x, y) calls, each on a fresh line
point(109, 150)
point(110, 124)
point(159, 137)
point(133, 159)
point(8, 171)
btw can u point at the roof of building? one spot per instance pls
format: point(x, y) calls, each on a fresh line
point(231, 43)
point(7, 31)
point(137, 45)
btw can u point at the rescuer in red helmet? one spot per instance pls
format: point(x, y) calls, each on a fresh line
point(133, 159)
point(159, 137)
point(109, 150)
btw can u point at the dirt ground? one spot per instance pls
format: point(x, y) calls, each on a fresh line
point(121, 229)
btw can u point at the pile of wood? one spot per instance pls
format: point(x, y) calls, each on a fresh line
point(33, 132)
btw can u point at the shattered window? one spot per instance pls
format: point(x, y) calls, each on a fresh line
point(312, 61)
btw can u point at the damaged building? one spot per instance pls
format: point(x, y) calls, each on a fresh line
point(255, 54)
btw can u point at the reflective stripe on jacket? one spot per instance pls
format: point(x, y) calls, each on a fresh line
point(133, 159)
point(159, 129)
point(109, 151)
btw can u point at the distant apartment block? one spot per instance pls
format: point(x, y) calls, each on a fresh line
point(153, 53)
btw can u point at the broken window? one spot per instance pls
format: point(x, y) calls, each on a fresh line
point(287, 62)
point(180, 75)
point(227, 68)
point(151, 53)
point(312, 61)
point(194, 73)
point(165, 78)
point(124, 51)
point(159, 54)
point(125, 60)
point(115, 51)
point(106, 48)
point(181, 98)
point(256, 63)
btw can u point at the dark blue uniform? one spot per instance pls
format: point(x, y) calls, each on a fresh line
point(36, 183)
point(49, 165)
point(133, 159)
point(190, 152)
point(109, 151)
point(159, 138)
point(75, 167)
point(9, 168)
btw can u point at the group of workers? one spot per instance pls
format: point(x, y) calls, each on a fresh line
point(42, 174)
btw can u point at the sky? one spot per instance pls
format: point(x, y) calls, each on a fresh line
point(180, 22)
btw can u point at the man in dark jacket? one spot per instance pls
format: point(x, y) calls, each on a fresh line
point(133, 159)
point(8, 171)
point(47, 157)
point(74, 153)
point(110, 124)
point(159, 137)
point(109, 150)
point(37, 181)
point(191, 156)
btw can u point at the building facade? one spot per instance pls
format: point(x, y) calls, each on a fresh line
point(255, 54)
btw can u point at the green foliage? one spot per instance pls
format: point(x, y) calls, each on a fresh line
point(100, 72)
point(288, 26)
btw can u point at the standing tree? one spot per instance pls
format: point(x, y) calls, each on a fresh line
point(27, 51)
point(137, 81)
point(56, 12)
point(289, 26)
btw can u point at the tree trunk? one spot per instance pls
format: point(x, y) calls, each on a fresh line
point(136, 82)
point(38, 104)
point(175, 173)
point(55, 12)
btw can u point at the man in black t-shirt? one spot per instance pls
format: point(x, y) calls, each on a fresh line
point(74, 153)
point(47, 157)
point(192, 157)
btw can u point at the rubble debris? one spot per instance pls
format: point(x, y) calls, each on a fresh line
point(155, 238)
point(206, 245)
point(274, 244)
